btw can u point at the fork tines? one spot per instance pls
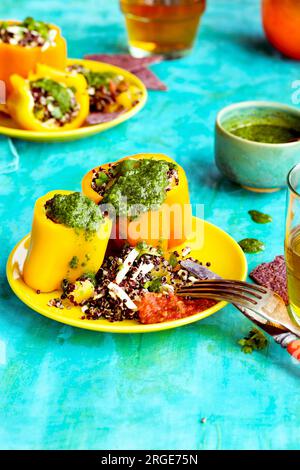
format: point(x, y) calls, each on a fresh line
point(224, 290)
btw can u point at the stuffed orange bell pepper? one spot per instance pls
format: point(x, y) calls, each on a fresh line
point(155, 190)
point(48, 100)
point(68, 239)
point(25, 44)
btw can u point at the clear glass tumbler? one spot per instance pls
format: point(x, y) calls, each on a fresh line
point(292, 241)
point(167, 27)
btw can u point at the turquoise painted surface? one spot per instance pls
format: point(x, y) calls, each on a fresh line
point(64, 388)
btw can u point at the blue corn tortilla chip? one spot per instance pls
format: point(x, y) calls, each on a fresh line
point(273, 276)
point(136, 66)
point(99, 118)
point(150, 80)
point(125, 61)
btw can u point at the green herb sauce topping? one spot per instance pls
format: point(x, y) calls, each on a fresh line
point(74, 262)
point(260, 217)
point(251, 245)
point(75, 211)
point(267, 134)
point(142, 182)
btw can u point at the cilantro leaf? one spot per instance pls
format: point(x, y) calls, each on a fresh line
point(255, 340)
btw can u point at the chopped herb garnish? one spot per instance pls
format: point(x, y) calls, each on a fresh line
point(74, 262)
point(260, 217)
point(96, 79)
point(88, 276)
point(251, 245)
point(62, 95)
point(173, 260)
point(154, 285)
point(255, 340)
point(145, 249)
point(4, 25)
point(39, 26)
point(142, 246)
point(101, 178)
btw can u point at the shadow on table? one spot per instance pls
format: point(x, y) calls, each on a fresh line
point(43, 335)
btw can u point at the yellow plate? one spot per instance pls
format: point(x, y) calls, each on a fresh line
point(9, 128)
point(225, 255)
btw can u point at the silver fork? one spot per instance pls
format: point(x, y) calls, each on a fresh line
point(265, 303)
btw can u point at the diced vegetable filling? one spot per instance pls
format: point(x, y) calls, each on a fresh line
point(53, 102)
point(29, 33)
point(123, 284)
point(104, 89)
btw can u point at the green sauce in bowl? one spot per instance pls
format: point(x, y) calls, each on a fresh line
point(257, 143)
point(267, 133)
point(265, 127)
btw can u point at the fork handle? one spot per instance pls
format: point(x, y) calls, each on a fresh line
point(286, 340)
point(294, 349)
point(289, 342)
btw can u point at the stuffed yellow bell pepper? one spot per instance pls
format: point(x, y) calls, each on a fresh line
point(25, 44)
point(155, 187)
point(48, 100)
point(68, 239)
point(109, 92)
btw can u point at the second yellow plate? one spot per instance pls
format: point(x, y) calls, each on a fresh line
point(10, 129)
point(225, 255)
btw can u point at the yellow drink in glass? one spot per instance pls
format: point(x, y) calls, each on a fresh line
point(165, 27)
point(292, 241)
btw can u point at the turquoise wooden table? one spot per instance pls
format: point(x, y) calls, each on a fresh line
point(65, 388)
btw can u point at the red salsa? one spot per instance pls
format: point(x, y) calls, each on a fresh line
point(158, 308)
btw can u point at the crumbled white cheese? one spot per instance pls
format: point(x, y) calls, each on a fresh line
point(45, 46)
point(13, 41)
point(127, 263)
point(16, 30)
point(167, 288)
point(98, 296)
point(186, 251)
point(52, 34)
point(183, 274)
point(117, 291)
point(51, 40)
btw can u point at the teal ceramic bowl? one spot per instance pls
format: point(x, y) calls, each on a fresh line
point(256, 166)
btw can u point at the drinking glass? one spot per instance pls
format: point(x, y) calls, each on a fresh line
point(292, 241)
point(165, 27)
